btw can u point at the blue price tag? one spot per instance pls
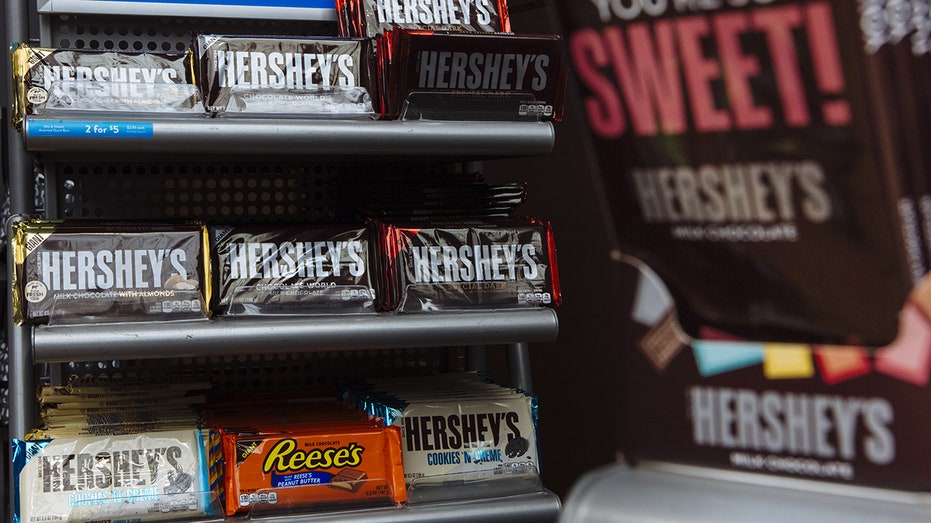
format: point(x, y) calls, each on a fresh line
point(74, 129)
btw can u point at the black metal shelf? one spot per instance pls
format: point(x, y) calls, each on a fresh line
point(235, 336)
point(237, 137)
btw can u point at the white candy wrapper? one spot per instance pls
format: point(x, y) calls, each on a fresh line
point(157, 476)
point(439, 438)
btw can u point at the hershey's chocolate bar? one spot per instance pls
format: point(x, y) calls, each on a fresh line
point(72, 272)
point(152, 476)
point(503, 263)
point(263, 270)
point(256, 75)
point(67, 79)
point(369, 18)
point(484, 69)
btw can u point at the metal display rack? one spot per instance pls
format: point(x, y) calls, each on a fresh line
point(237, 136)
point(101, 24)
point(232, 336)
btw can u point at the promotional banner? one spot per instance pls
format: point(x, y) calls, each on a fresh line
point(753, 156)
point(844, 414)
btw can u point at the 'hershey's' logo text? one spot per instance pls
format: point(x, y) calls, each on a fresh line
point(300, 259)
point(456, 432)
point(103, 470)
point(438, 12)
point(474, 263)
point(284, 70)
point(760, 192)
point(820, 426)
point(129, 75)
point(105, 269)
point(485, 71)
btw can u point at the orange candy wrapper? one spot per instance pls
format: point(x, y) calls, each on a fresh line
point(304, 468)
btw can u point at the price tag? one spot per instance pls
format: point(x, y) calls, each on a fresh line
point(76, 129)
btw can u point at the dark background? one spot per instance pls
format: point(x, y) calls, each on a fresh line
point(578, 378)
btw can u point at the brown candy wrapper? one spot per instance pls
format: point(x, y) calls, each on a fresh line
point(287, 76)
point(68, 272)
point(292, 270)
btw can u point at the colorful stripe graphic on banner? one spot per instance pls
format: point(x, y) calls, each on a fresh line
point(841, 363)
point(715, 357)
point(908, 358)
point(652, 299)
point(783, 361)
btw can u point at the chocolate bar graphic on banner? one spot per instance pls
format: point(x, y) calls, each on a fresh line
point(749, 156)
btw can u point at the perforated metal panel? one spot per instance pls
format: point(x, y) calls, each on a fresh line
point(281, 371)
point(232, 193)
point(246, 192)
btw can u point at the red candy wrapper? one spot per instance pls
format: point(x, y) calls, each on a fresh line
point(369, 18)
point(455, 266)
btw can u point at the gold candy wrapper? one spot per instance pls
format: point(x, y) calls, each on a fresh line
point(68, 272)
point(52, 81)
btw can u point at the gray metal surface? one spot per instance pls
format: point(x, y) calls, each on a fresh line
point(243, 373)
point(19, 164)
point(541, 507)
point(288, 138)
point(231, 336)
point(521, 375)
point(182, 8)
point(658, 493)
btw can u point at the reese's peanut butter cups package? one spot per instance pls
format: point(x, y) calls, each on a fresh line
point(368, 18)
point(755, 164)
point(293, 270)
point(155, 476)
point(310, 467)
point(495, 263)
point(74, 272)
point(491, 76)
point(287, 76)
point(58, 81)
